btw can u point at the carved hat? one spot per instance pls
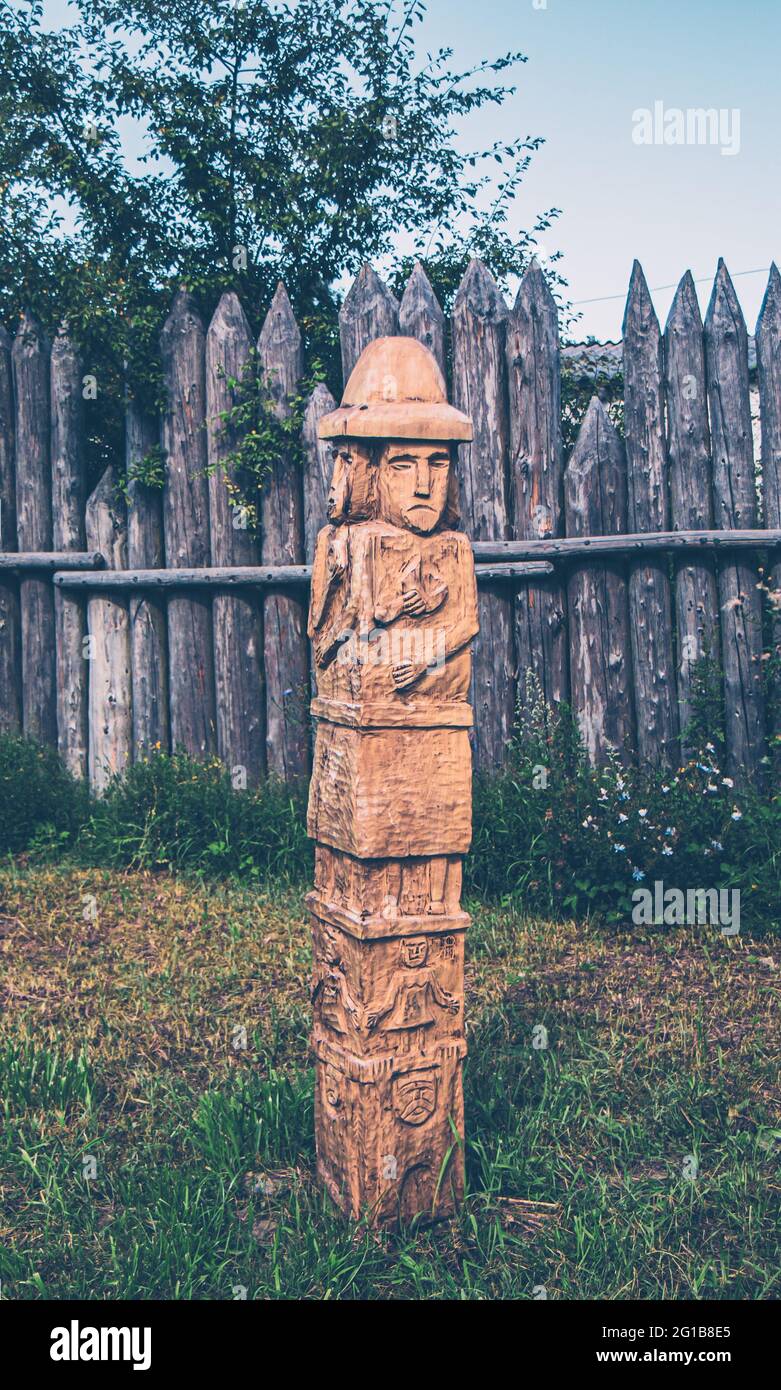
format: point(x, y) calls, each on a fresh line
point(396, 391)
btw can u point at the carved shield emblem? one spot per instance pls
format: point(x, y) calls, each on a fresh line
point(415, 1096)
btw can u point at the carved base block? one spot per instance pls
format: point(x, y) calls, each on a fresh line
point(388, 1040)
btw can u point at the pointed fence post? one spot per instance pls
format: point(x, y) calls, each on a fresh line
point(536, 481)
point(735, 505)
point(480, 390)
point(421, 317)
point(285, 642)
point(595, 489)
point(237, 618)
point(108, 650)
point(10, 622)
point(769, 372)
point(68, 498)
point(31, 370)
point(318, 466)
point(691, 501)
point(186, 529)
point(650, 598)
point(369, 311)
point(145, 550)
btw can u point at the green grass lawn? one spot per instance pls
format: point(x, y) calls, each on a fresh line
point(123, 1000)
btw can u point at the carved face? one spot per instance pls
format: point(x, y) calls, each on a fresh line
point(412, 486)
point(414, 950)
point(351, 494)
point(339, 491)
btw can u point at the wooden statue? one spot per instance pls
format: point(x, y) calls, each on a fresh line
point(393, 613)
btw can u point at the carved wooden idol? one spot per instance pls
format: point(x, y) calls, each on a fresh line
point(393, 613)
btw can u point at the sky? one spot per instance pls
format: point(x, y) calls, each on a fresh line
point(592, 66)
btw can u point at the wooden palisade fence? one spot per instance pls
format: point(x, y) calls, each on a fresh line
point(167, 622)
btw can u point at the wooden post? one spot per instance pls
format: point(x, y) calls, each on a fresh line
point(285, 644)
point(595, 490)
point(479, 389)
point(186, 529)
point(688, 450)
point(536, 474)
point(650, 600)
point(735, 504)
point(318, 467)
point(110, 718)
point(68, 498)
point(31, 367)
point(421, 317)
point(237, 618)
point(769, 371)
point(390, 801)
point(145, 550)
point(369, 311)
point(10, 623)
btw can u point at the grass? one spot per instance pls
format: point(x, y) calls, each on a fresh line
point(145, 1153)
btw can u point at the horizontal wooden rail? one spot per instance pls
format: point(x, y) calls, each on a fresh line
point(249, 576)
point(575, 547)
point(46, 560)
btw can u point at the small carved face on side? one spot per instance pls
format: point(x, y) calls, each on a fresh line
point(351, 496)
point(414, 950)
point(339, 491)
point(412, 488)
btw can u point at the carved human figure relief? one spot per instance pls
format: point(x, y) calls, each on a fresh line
point(393, 613)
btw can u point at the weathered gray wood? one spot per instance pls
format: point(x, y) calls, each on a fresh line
point(536, 481)
point(570, 548)
point(186, 529)
point(146, 550)
point(108, 647)
point(318, 466)
point(10, 622)
point(597, 592)
point(650, 599)
point(735, 504)
point(691, 506)
point(369, 311)
point(237, 618)
point(479, 388)
point(250, 577)
point(47, 561)
point(68, 498)
point(421, 317)
point(768, 340)
point(30, 357)
point(285, 643)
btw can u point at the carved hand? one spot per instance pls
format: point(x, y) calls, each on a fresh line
point(413, 602)
point(405, 673)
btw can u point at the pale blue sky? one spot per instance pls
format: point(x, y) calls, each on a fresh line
point(592, 64)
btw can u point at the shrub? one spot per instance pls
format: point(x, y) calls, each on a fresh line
point(41, 805)
point(568, 839)
point(174, 812)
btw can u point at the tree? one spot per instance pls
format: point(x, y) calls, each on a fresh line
point(288, 140)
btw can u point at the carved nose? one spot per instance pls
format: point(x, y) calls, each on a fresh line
point(423, 480)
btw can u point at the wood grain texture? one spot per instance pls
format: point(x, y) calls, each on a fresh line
point(237, 618)
point(68, 499)
point(421, 317)
point(691, 501)
point(108, 623)
point(479, 330)
point(10, 620)
point(735, 504)
point(30, 356)
point(318, 467)
point(186, 529)
point(650, 598)
point(536, 481)
point(598, 598)
point(148, 628)
point(369, 311)
point(768, 340)
point(285, 645)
